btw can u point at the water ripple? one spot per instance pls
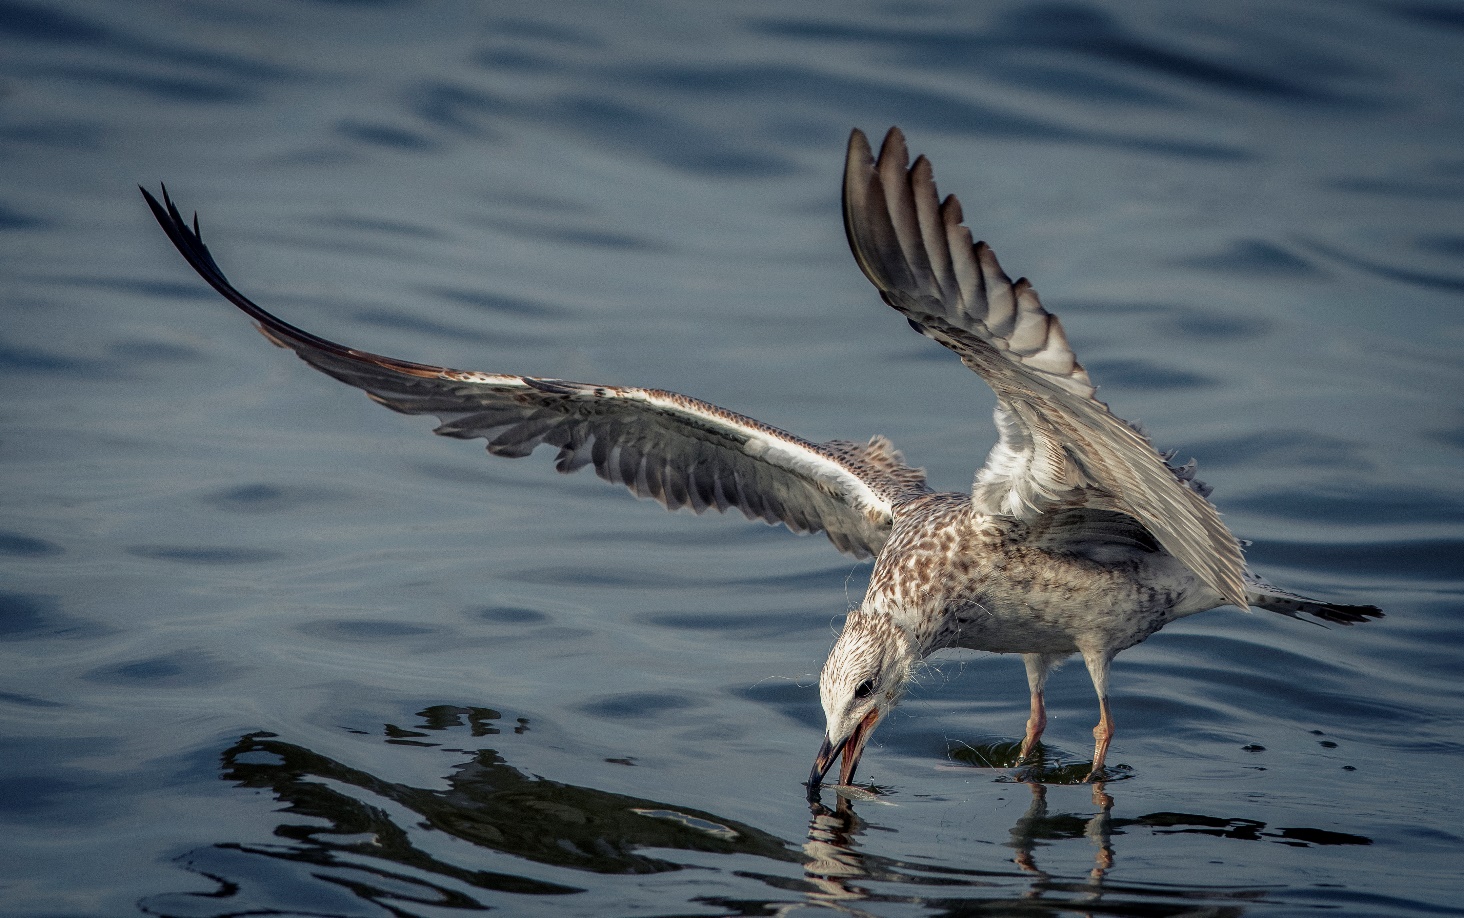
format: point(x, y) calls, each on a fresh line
point(1429, 280)
point(182, 668)
point(389, 136)
point(1073, 31)
point(466, 110)
point(263, 497)
point(636, 705)
point(192, 554)
point(500, 303)
point(1146, 374)
point(1253, 257)
point(1422, 559)
point(1381, 505)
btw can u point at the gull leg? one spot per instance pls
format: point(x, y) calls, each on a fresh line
point(1097, 661)
point(1102, 735)
point(1039, 665)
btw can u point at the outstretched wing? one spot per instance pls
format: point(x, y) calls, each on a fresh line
point(1059, 446)
point(678, 450)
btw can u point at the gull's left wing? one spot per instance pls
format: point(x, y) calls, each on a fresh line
point(680, 451)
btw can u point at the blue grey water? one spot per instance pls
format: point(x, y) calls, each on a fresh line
point(266, 648)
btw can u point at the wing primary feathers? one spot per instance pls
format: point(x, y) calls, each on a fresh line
point(1060, 446)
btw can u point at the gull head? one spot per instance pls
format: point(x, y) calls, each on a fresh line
point(863, 678)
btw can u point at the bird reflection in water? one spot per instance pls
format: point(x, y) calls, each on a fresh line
point(835, 865)
point(1037, 825)
point(842, 876)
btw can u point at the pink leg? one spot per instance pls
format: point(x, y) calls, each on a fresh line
point(1102, 735)
point(1038, 666)
point(1098, 660)
point(1036, 723)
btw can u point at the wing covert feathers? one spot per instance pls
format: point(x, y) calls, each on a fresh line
point(679, 451)
point(1059, 446)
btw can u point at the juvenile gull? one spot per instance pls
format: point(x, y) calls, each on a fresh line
point(1077, 535)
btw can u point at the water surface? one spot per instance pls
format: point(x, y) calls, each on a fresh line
point(266, 648)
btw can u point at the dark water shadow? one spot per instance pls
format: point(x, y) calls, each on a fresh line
point(1254, 258)
point(41, 616)
point(1426, 280)
point(20, 545)
point(12, 220)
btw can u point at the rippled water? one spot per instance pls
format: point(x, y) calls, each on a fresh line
point(268, 649)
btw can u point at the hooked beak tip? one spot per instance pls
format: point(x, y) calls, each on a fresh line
point(827, 754)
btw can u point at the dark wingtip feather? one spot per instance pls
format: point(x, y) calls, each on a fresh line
point(1318, 612)
point(189, 243)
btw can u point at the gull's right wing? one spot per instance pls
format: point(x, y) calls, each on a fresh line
point(1060, 447)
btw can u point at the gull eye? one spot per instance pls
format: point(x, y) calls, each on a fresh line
point(864, 689)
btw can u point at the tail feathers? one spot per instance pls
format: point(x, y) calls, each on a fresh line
point(1266, 596)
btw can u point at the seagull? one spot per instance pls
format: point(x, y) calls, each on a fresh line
point(1077, 536)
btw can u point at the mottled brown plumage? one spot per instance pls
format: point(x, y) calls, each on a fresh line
point(1077, 536)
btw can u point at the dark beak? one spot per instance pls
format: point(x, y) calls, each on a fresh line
point(851, 746)
point(823, 762)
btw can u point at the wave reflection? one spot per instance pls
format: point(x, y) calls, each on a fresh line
point(375, 838)
point(489, 834)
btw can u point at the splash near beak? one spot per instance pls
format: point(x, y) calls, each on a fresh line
point(851, 746)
